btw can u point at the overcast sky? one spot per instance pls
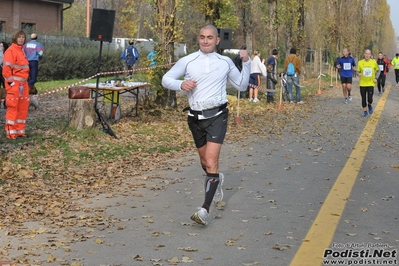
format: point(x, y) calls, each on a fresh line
point(395, 19)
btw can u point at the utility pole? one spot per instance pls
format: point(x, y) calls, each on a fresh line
point(88, 19)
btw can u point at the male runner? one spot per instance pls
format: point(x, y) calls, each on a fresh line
point(347, 65)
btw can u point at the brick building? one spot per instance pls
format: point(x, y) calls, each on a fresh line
point(32, 15)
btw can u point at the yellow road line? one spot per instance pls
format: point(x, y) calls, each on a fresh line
point(321, 233)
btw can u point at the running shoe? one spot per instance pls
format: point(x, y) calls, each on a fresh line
point(346, 101)
point(364, 114)
point(256, 100)
point(219, 190)
point(200, 217)
point(370, 109)
point(350, 98)
point(251, 100)
point(383, 90)
point(300, 102)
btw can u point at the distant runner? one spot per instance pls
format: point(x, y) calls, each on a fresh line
point(395, 64)
point(368, 73)
point(347, 65)
point(383, 64)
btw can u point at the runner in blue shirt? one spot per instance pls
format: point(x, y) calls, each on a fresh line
point(347, 65)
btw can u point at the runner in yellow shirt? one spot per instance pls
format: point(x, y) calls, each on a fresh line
point(368, 73)
point(395, 64)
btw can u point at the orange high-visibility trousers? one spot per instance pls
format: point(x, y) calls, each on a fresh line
point(17, 109)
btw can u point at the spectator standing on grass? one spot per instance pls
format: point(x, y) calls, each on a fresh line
point(271, 82)
point(293, 79)
point(16, 74)
point(3, 48)
point(205, 75)
point(368, 73)
point(34, 51)
point(272, 60)
point(257, 68)
point(346, 66)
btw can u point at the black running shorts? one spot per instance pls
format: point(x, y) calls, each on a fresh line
point(212, 129)
point(346, 80)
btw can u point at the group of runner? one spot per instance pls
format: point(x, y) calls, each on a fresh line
point(370, 72)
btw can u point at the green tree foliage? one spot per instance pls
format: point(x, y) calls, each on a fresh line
point(328, 26)
point(128, 21)
point(169, 30)
point(75, 20)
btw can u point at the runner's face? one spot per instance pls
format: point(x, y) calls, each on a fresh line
point(380, 56)
point(345, 52)
point(367, 54)
point(208, 40)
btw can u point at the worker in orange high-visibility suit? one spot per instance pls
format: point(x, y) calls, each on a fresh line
point(16, 73)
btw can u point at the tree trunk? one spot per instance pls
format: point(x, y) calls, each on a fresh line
point(272, 29)
point(166, 29)
point(81, 113)
point(247, 26)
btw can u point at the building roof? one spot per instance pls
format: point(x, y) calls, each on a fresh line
point(59, 1)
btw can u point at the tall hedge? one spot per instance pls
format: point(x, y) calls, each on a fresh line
point(60, 62)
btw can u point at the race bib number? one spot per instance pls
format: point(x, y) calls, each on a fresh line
point(397, 64)
point(347, 66)
point(381, 67)
point(367, 72)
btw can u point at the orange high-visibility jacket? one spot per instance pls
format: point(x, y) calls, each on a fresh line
point(15, 65)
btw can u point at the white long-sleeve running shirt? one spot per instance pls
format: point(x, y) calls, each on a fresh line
point(211, 72)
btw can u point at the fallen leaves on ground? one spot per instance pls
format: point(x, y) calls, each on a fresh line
point(49, 176)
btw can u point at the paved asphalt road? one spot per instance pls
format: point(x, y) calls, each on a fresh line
point(327, 186)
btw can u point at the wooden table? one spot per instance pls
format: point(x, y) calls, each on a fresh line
point(112, 94)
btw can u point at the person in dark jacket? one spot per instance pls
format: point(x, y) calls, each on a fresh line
point(384, 65)
point(271, 82)
point(130, 55)
point(272, 60)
